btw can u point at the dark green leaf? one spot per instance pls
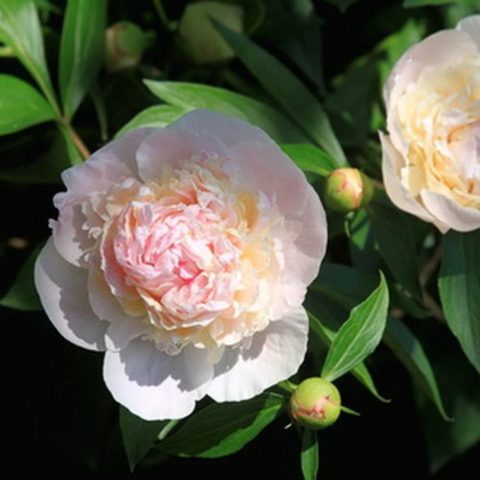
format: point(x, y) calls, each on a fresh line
point(310, 158)
point(21, 106)
point(359, 335)
point(342, 5)
point(287, 90)
point(138, 435)
point(81, 50)
point(190, 96)
point(157, 116)
point(396, 240)
point(309, 454)
point(363, 250)
point(409, 351)
point(20, 30)
point(459, 284)
point(22, 295)
point(223, 428)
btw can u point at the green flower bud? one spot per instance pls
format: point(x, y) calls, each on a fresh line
point(200, 41)
point(348, 189)
point(124, 45)
point(315, 403)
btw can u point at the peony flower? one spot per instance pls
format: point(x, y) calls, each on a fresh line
point(431, 157)
point(185, 254)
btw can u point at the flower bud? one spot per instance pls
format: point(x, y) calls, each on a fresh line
point(200, 41)
point(348, 189)
point(315, 403)
point(124, 45)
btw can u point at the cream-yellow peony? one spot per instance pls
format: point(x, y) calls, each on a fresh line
point(431, 155)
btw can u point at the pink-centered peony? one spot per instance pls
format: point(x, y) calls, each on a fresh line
point(185, 254)
point(431, 157)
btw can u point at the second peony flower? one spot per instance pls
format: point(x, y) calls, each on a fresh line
point(431, 164)
point(185, 254)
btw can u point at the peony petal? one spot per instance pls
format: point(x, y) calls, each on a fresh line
point(123, 327)
point(169, 148)
point(156, 386)
point(399, 195)
point(109, 165)
point(449, 214)
point(471, 25)
point(63, 293)
point(227, 129)
point(274, 355)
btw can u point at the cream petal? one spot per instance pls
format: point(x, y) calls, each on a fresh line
point(274, 355)
point(170, 148)
point(156, 386)
point(471, 25)
point(109, 165)
point(399, 195)
point(63, 293)
point(227, 129)
point(448, 214)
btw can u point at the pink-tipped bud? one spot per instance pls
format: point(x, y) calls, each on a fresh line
point(347, 189)
point(315, 403)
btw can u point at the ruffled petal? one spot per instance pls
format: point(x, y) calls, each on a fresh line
point(274, 355)
point(449, 214)
point(156, 386)
point(471, 25)
point(63, 293)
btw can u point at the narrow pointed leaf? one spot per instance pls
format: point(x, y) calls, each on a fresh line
point(81, 50)
point(309, 455)
point(287, 90)
point(359, 335)
point(310, 158)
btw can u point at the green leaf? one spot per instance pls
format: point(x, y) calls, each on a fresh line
point(396, 240)
point(459, 284)
point(20, 30)
point(309, 454)
point(310, 158)
point(138, 435)
point(408, 349)
point(191, 96)
point(156, 116)
point(223, 428)
point(21, 106)
point(425, 3)
point(22, 295)
point(459, 382)
point(287, 90)
point(359, 335)
point(360, 372)
point(81, 50)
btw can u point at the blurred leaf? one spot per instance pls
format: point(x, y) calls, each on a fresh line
point(98, 100)
point(424, 3)
point(360, 372)
point(309, 454)
point(191, 96)
point(459, 284)
point(461, 388)
point(22, 295)
point(310, 158)
point(21, 106)
point(81, 50)
point(287, 90)
point(223, 428)
point(363, 250)
point(342, 5)
point(20, 30)
point(359, 335)
point(396, 240)
point(138, 435)
point(45, 169)
point(157, 116)
point(409, 351)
